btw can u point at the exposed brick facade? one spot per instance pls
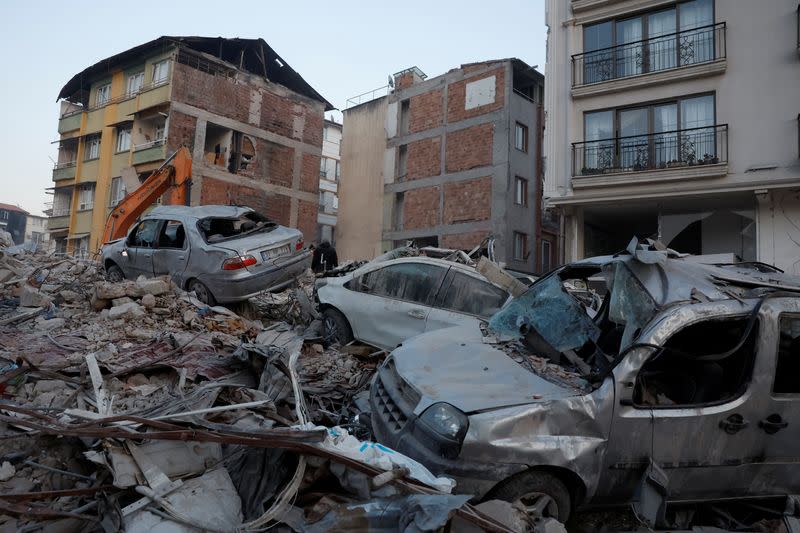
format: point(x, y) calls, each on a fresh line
point(421, 208)
point(403, 81)
point(276, 114)
point(216, 94)
point(274, 206)
point(468, 201)
point(309, 173)
point(424, 158)
point(469, 148)
point(277, 163)
point(181, 131)
point(426, 111)
point(463, 241)
point(456, 97)
point(307, 219)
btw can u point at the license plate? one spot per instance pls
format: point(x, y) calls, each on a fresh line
point(275, 252)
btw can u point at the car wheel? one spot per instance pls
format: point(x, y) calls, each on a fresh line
point(114, 274)
point(335, 327)
point(540, 493)
point(202, 292)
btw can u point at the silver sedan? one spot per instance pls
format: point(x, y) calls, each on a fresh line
point(222, 253)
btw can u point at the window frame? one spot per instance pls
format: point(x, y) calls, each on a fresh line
point(135, 230)
point(520, 198)
point(91, 148)
point(129, 133)
point(137, 75)
point(447, 283)
point(156, 68)
point(86, 196)
point(115, 199)
point(105, 90)
point(524, 255)
point(519, 126)
point(794, 315)
point(161, 231)
point(432, 296)
point(543, 255)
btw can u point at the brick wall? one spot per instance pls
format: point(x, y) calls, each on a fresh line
point(275, 163)
point(463, 241)
point(426, 111)
point(309, 173)
point(276, 114)
point(421, 208)
point(468, 201)
point(307, 220)
point(404, 81)
point(216, 94)
point(181, 131)
point(314, 123)
point(424, 158)
point(275, 206)
point(469, 148)
point(456, 97)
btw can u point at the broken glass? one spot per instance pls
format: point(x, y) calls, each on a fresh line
point(548, 309)
point(630, 305)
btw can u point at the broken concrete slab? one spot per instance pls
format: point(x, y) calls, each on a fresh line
point(120, 301)
point(31, 297)
point(142, 286)
point(7, 471)
point(105, 290)
point(126, 310)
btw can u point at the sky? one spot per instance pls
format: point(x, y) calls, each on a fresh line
point(341, 48)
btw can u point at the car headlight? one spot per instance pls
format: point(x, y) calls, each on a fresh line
point(446, 420)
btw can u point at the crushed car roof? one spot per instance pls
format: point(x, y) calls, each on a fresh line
point(200, 211)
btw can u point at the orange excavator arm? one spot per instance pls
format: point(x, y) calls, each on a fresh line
point(174, 176)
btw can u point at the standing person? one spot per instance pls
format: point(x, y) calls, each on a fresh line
point(324, 258)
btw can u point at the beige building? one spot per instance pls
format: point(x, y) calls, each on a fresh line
point(329, 173)
point(677, 121)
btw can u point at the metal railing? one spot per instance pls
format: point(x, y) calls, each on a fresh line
point(367, 96)
point(681, 148)
point(665, 52)
point(150, 144)
point(65, 164)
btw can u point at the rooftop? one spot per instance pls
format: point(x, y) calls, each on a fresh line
point(9, 207)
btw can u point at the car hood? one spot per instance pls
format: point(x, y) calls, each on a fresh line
point(456, 366)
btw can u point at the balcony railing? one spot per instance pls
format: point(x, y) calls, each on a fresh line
point(148, 152)
point(672, 149)
point(665, 52)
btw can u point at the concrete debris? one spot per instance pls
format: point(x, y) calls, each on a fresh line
point(135, 406)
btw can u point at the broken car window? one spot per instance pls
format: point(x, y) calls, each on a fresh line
point(630, 305)
point(691, 369)
point(465, 294)
point(218, 229)
point(787, 369)
point(172, 235)
point(553, 313)
point(413, 282)
point(144, 235)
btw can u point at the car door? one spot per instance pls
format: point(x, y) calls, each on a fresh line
point(171, 255)
point(778, 422)
point(391, 303)
point(141, 243)
point(464, 299)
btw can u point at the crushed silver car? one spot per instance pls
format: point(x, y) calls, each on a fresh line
point(687, 370)
point(396, 296)
point(222, 253)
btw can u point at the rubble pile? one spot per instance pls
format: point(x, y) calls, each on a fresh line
point(134, 406)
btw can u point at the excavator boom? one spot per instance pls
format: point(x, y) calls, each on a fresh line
point(174, 177)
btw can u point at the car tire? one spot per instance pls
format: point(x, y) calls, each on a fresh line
point(541, 493)
point(202, 292)
point(335, 327)
point(114, 273)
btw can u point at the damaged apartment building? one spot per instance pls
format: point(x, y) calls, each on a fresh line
point(447, 161)
point(677, 121)
point(253, 124)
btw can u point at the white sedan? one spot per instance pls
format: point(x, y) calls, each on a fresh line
point(384, 303)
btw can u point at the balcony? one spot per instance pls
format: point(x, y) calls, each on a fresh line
point(149, 152)
point(58, 222)
point(70, 121)
point(64, 171)
point(688, 153)
point(650, 61)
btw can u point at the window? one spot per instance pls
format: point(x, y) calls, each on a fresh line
point(404, 113)
point(520, 246)
point(703, 363)
point(651, 136)
point(664, 39)
point(144, 235)
point(473, 296)
point(61, 246)
point(159, 133)
point(520, 191)
point(402, 162)
point(117, 191)
point(135, 82)
point(338, 166)
point(172, 235)
point(92, 147)
point(103, 94)
point(788, 365)
point(521, 137)
point(323, 167)
point(86, 196)
point(123, 139)
point(81, 247)
point(160, 71)
point(545, 256)
point(62, 200)
point(413, 282)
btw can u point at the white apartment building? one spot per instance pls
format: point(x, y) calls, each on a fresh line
point(36, 231)
point(675, 120)
point(328, 181)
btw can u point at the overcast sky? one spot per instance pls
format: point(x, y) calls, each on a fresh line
point(341, 48)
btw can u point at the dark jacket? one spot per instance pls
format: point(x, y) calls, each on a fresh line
point(324, 258)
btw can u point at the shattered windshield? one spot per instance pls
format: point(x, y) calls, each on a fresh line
point(218, 229)
point(549, 310)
